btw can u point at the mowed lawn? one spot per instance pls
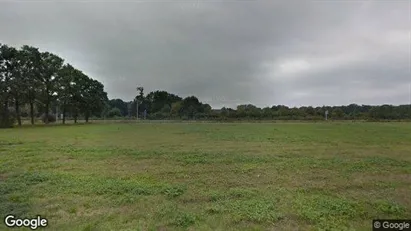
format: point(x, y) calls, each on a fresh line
point(207, 176)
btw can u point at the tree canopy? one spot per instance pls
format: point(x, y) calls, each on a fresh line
point(40, 84)
point(42, 80)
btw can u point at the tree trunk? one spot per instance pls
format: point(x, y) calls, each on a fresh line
point(4, 118)
point(64, 114)
point(46, 120)
point(86, 117)
point(17, 107)
point(75, 119)
point(32, 112)
point(46, 113)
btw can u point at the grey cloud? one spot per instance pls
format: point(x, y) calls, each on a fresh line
point(228, 53)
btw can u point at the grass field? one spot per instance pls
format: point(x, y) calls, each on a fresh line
point(211, 176)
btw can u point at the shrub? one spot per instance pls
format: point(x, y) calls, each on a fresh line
point(51, 118)
point(159, 116)
point(114, 112)
point(7, 122)
point(7, 118)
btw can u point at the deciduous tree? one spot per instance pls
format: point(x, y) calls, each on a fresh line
point(50, 66)
point(8, 66)
point(31, 80)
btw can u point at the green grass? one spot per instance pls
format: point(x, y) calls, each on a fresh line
point(207, 176)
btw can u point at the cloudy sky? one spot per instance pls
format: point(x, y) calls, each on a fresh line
point(228, 52)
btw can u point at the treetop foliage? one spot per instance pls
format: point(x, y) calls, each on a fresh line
point(42, 80)
point(35, 83)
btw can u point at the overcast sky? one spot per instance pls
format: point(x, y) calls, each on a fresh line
point(228, 52)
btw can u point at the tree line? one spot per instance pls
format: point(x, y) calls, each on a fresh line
point(40, 81)
point(164, 105)
point(35, 84)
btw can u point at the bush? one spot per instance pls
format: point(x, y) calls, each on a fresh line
point(7, 122)
point(114, 112)
point(7, 118)
point(158, 116)
point(51, 118)
point(24, 114)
